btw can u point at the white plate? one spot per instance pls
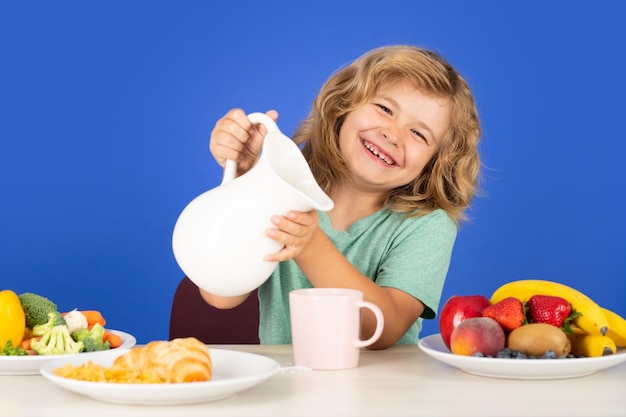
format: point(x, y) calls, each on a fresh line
point(519, 368)
point(232, 372)
point(29, 365)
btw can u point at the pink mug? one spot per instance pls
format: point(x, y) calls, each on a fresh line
point(325, 327)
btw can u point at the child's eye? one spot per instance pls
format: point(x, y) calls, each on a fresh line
point(419, 135)
point(384, 108)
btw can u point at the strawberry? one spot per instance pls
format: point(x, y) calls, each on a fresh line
point(508, 312)
point(551, 309)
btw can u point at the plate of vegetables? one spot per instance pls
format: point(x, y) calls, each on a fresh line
point(33, 332)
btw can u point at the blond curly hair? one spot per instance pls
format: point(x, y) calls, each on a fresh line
point(450, 179)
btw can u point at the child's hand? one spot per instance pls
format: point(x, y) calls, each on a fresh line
point(235, 138)
point(295, 231)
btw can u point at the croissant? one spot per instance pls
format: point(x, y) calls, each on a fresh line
point(179, 360)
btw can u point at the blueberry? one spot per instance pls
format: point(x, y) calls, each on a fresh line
point(504, 353)
point(518, 354)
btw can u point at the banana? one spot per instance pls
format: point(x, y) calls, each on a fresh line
point(590, 345)
point(592, 319)
point(617, 327)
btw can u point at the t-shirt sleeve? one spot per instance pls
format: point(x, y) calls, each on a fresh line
point(418, 259)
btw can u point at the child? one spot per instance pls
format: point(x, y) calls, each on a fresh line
point(392, 138)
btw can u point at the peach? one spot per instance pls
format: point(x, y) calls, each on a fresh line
point(478, 334)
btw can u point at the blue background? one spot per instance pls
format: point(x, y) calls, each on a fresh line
point(106, 110)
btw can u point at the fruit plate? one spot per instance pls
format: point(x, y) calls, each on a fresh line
point(519, 368)
point(29, 365)
point(233, 372)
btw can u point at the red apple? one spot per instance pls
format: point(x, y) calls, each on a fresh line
point(457, 309)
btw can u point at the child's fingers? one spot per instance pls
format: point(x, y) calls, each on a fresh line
point(306, 219)
point(286, 253)
point(288, 232)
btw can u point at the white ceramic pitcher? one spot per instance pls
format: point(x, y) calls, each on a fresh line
point(219, 238)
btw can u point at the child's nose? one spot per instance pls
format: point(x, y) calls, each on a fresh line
point(391, 135)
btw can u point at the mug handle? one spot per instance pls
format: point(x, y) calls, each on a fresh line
point(380, 323)
point(230, 170)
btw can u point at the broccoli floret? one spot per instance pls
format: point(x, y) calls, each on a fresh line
point(10, 350)
point(36, 308)
point(80, 335)
point(55, 339)
point(92, 345)
point(54, 319)
point(58, 319)
point(92, 339)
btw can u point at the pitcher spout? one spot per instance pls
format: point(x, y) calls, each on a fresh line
point(286, 161)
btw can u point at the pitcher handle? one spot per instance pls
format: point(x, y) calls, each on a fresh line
point(230, 170)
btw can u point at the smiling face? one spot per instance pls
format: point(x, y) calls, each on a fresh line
point(387, 142)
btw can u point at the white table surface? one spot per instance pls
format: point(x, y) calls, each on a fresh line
point(400, 381)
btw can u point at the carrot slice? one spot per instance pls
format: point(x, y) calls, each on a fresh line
point(114, 339)
point(25, 344)
point(93, 317)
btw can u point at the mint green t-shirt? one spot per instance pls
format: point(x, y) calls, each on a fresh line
point(411, 254)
